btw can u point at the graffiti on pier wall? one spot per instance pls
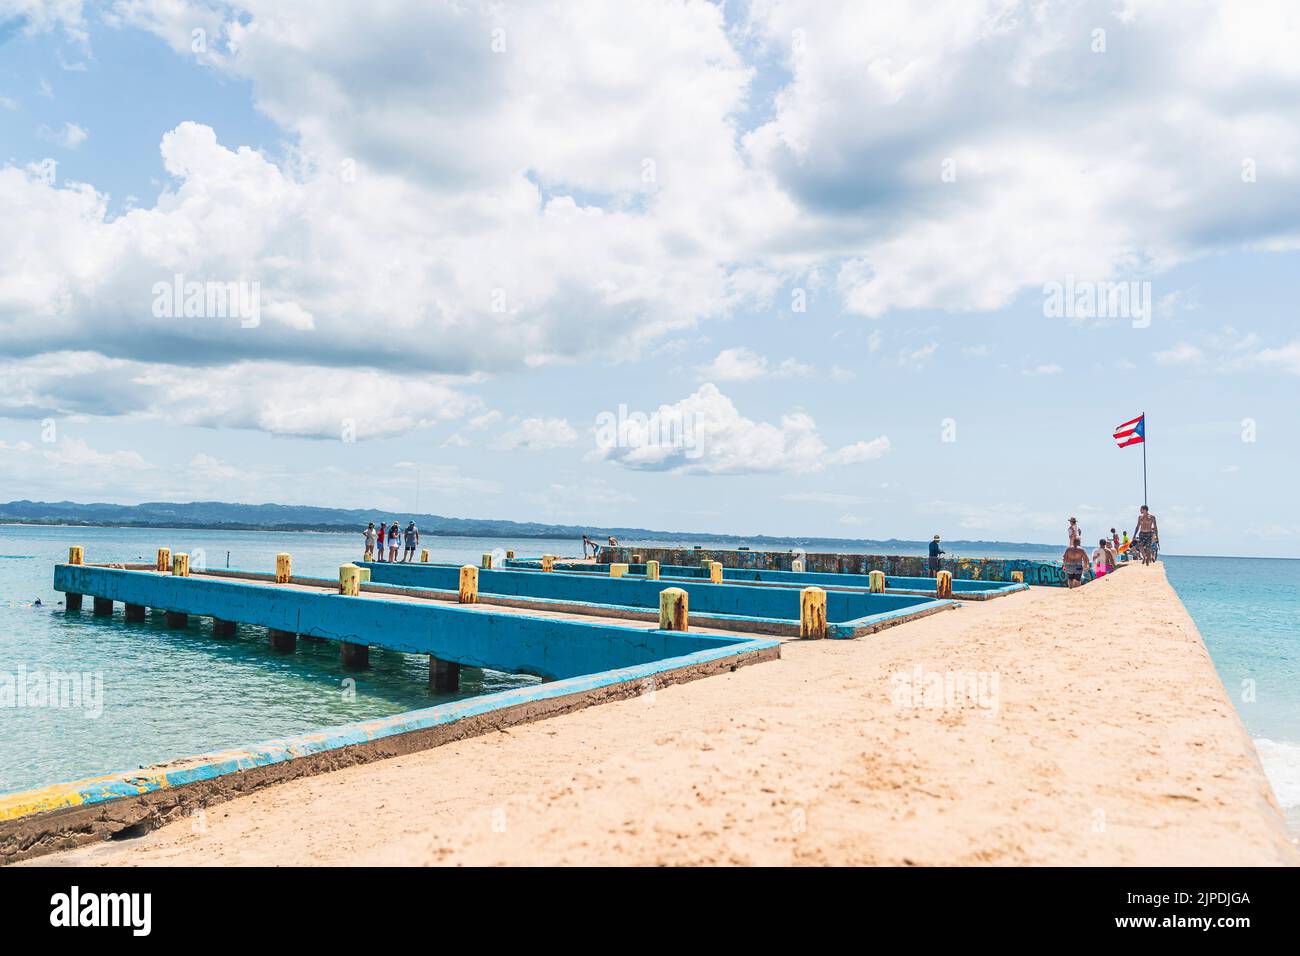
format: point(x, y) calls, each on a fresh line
point(1042, 573)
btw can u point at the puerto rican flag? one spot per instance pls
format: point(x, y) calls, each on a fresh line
point(1131, 433)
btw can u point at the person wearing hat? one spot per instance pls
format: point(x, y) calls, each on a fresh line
point(935, 551)
point(1073, 535)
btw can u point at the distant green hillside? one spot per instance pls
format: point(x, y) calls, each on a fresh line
point(274, 517)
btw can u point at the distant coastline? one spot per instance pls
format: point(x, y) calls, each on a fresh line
point(229, 516)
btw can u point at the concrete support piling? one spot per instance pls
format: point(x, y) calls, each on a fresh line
point(1017, 577)
point(812, 614)
point(72, 601)
point(135, 612)
point(354, 657)
point(443, 675)
point(103, 607)
point(510, 555)
point(283, 641)
point(797, 565)
point(222, 628)
point(424, 555)
point(674, 612)
point(175, 619)
point(283, 567)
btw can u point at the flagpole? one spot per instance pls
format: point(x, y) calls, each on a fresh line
point(1144, 459)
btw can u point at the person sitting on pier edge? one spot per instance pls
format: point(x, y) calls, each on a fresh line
point(935, 551)
point(369, 535)
point(412, 539)
point(394, 542)
point(380, 555)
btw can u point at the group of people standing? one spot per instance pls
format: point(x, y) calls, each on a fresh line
point(396, 539)
point(1109, 551)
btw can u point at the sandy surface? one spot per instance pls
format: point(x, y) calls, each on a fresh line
point(1109, 740)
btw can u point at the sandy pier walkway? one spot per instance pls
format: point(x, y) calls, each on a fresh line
point(1102, 741)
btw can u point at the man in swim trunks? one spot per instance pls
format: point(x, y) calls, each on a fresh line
point(412, 537)
point(1145, 533)
point(1075, 560)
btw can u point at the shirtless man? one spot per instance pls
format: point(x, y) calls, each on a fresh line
point(1075, 560)
point(1145, 533)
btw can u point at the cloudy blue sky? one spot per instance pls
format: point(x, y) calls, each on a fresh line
point(822, 238)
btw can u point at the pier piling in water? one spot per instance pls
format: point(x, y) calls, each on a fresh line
point(674, 613)
point(812, 613)
point(443, 675)
point(103, 607)
point(135, 612)
point(353, 657)
point(76, 555)
point(283, 641)
point(222, 628)
point(283, 567)
point(175, 619)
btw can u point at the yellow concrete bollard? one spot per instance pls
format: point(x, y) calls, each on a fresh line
point(283, 567)
point(652, 570)
point(812, 613)
point(181, 565)
point(468, 584)
point(547, 562)
point(674, 614)
point(76, 554)
point(705, 562)
point(424, 555)
point(1017, 577)
point(164, 559)
point(350, 580)
point(943, 584)
point(636, 559)
point(365, 575)
point(486, 562)
point(797, 566)
point(715, 572)
point(877, 582)
point(510, 555)
point(617, 570)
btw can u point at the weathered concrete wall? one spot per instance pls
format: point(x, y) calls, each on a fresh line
point(973, 569)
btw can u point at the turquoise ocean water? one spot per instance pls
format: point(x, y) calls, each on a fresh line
point(173, 693)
